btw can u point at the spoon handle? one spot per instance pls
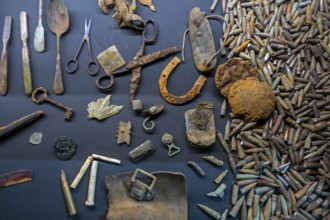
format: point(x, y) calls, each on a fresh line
point(58, 81)
point(40, 13)
point(25, 54)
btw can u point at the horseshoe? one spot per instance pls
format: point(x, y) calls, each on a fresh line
point(178, 100)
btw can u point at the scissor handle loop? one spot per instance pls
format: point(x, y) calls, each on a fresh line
point(92, 71)
point(104, 77)
point(72, 66)
point(154, 36)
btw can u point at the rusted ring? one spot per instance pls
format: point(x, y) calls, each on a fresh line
point(42, 91)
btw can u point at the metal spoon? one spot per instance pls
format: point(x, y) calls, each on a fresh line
point(39, 34)
point(58, 22)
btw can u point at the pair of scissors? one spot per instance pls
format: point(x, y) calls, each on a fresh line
point(73, 64)
point(136, 70)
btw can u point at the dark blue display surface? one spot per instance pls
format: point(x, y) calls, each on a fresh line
point(42, 198)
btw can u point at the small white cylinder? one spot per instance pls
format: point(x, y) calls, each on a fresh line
point(91, 185)
point(81, 173)
point(107, 159)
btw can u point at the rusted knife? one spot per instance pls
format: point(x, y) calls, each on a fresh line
point(16, 177)
point(4, 56)
point(25, 54)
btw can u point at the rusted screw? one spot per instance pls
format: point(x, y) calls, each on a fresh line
point(39, 96)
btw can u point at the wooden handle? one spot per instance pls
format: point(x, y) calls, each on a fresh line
point(58, 81)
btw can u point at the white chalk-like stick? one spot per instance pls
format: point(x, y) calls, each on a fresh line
point(81, 173)
point(107, 159)
point(91, 185)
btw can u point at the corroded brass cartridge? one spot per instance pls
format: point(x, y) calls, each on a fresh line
point(70, 205)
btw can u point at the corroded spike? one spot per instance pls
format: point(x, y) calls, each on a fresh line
point(220, 177)
point(212, 213)
point(213, 160)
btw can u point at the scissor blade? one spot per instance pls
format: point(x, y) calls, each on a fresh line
point(141, 61)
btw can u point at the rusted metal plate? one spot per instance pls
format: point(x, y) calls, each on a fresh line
point(169, 202)
point(200, 125)
point(201, 40)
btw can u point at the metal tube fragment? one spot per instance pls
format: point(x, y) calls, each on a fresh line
point(92, 184)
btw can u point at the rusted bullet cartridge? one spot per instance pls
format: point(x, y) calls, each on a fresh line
point(234, 210)
point(247, 188)
point(223, 142)
point(255, 206)
point(212, 213)
point(70, 204)
point(213, 160)
point(314, 205)
point(220, 177)
point(266, 196)
point(234, 195)
point(231, 160)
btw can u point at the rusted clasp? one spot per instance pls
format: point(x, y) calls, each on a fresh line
point(152, 111)
point(140, 190)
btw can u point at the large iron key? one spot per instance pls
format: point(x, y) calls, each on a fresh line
point(39, 96)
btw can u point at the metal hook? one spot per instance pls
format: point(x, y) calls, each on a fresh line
point(152, 111)
point(145, 127)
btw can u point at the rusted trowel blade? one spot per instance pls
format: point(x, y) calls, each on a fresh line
point(16, 177)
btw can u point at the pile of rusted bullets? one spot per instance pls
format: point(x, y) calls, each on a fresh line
point(283, 163)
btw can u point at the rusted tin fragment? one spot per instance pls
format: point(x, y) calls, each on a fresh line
point(173, 99)
point(201, 40)
point(200, 125)
point(141, 152)
point(124, 133)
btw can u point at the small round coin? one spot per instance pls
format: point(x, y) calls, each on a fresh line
point(64, 147)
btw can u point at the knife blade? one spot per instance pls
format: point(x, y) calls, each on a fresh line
point(16, 177)
point(4, 56)
point(25, 54)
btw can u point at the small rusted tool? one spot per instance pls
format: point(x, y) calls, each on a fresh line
point(13, 178)
point(43, 97)
point(151, 112)
point(10, 128)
